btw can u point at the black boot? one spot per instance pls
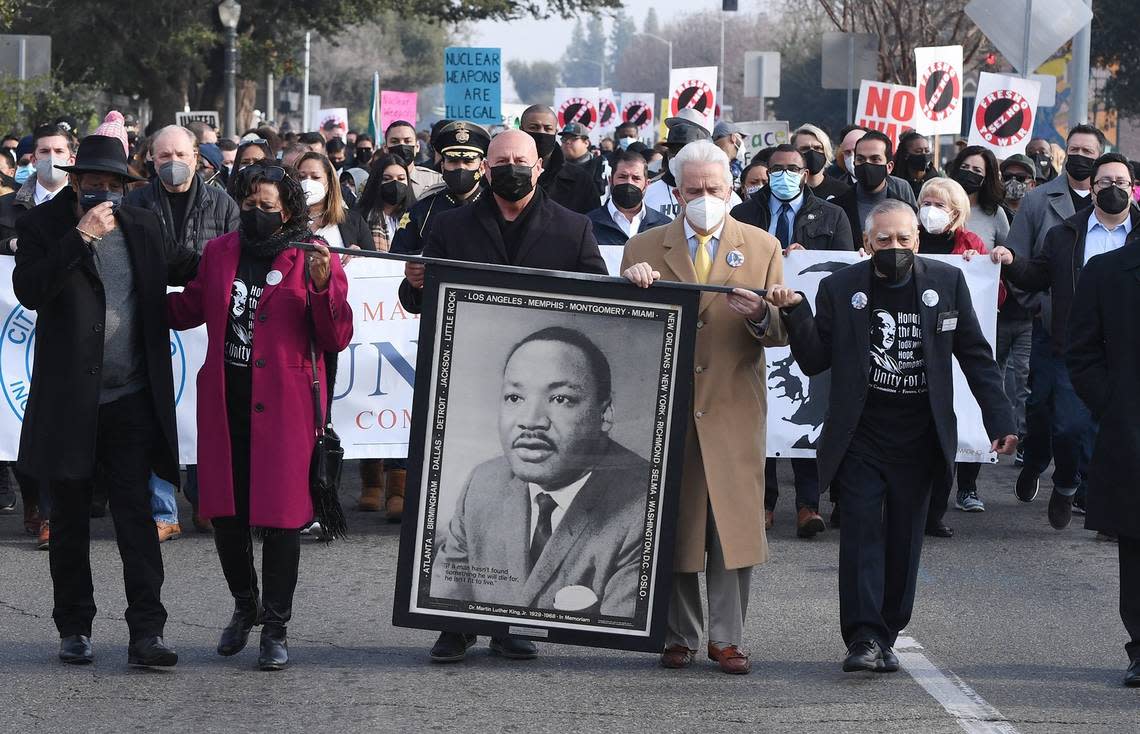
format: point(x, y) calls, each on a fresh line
point(235, 551)
point(281, 554)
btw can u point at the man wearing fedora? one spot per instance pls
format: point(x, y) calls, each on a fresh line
point(101, 400)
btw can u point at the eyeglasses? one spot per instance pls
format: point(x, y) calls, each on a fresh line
point(1120, 183)
point(789, 169)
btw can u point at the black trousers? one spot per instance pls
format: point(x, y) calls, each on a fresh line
point(127, 431)
point(967, 474)
point(806, 481)
point(1130, 593)
point(880, 542)
point(281, 549)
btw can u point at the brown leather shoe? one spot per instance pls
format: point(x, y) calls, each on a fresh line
point(394, 494)
point(168, 531)
point(769, 519)
point(43, 539)
point(809, 523)
point(677, 657)
point(731, 659)
point(371, 485)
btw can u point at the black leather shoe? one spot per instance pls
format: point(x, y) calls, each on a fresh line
point(151, 652)
point(1060, 510)
point(890, 661)
point(939, 530)
point(76, 650)
point(863, 655)
point(274, 648)
point(1028, 482)
point(1132, 675)
point(514, 648)
point(235, 635)
point(451, 647)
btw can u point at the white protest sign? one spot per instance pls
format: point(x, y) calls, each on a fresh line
point(694, 88)
point(939, 88)
point(337, 116)
point(637, 107)
point(608, 113)
point(761, 134)
point(1004, 113)
point(580, 105)
point(210, 117)
point(888, 108)
point(797, 404)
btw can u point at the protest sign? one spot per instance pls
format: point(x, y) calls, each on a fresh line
point(472, 85)
point(888, 108)
point(337, 116)
point(608, 114)
point(637, 107)
point(397, 106)
point(939, 89)
point(694, 88)
point(210, 117)
point(761, 134)
point(577, 104)
point(1004, 112)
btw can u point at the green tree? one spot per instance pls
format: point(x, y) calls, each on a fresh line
point(651, 24)
point(26, 104)
point(582, 60)
point(535, 80)
point(1116, 46)
point(622, 34)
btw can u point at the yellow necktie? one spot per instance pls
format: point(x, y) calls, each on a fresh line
point(702, 261)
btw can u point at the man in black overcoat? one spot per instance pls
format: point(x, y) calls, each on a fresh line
point(1104, 364)
point(102, 395)
point(887, 328)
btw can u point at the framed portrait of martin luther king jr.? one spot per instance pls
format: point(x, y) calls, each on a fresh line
point(545, 460)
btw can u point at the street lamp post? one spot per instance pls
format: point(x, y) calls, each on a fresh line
point(229, 12)
point(668, 43)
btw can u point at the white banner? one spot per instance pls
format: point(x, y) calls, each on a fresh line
point(797, 404)
point(372, 411)
point(1004, 111)
point(760, 134)
point(608, 113)
point(637, 107)
point(694, 88)
point(939, 76)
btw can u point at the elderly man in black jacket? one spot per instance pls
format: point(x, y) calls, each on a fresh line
point(800, 220)
point(1104, 360)
point(1068, 247)
point(191, 213)
point(102, 394)
point(887, 328)
point(517, 225)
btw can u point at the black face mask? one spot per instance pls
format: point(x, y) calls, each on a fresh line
point(511, 182)
point(1112, 200)
point(363, 155)
point(258, 224)
point(626, 196)
point(91, 199)
point(406, 152)
point(971, 181)
point(870, 175)
point(917, 161)
point(814, 161)
point(1044, 164)
point(393, 192)
point(460, 180)
point(1080, 167)
point(894, 263)
point(545, 142)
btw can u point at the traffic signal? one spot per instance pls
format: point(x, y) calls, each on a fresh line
point(730, 5)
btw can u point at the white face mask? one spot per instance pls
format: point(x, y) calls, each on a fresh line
point(933, 219)
point(706, 212)
point(314, 191)
point(849, 162)
point(50, 177)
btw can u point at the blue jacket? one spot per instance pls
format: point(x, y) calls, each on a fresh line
point(606, 231)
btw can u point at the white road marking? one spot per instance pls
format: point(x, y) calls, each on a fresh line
point(970, 710)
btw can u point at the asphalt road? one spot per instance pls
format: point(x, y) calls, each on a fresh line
point(1018, 623)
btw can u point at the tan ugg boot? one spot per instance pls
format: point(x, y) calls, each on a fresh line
point(371, 485)
point(394, 494)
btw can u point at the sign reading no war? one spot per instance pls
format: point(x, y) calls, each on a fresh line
point(472, 84)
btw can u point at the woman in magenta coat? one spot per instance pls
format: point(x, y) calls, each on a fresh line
point(256, 427)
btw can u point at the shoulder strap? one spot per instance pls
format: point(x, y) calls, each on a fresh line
point(318, 404)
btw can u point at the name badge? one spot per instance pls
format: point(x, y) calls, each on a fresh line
point(947, 321)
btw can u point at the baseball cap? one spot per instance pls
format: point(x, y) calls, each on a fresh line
point(575, 129)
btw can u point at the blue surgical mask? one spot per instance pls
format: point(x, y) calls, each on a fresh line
point(785, 185)
point(626, 142)
point(23, 173)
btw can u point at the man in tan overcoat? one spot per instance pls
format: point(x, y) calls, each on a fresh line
point(722, 493)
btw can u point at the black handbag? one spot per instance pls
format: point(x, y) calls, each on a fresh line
point(328, 456)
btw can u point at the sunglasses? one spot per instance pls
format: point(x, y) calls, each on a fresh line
point(1017, 177)
point(273, 174)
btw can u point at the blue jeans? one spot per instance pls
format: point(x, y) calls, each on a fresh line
point(1056, 418)
point(163, 503)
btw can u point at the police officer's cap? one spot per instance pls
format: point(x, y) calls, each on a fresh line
point(462, 139)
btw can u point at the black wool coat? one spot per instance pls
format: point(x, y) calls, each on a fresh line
point(1104, 365)
point(838, 338)
point(56, 277)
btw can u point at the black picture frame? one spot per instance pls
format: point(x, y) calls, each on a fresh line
point(414, 605)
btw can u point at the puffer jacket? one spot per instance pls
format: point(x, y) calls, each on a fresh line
point(211, 213)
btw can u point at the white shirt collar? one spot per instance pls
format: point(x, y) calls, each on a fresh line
point(690, 233)
point(41, 195)
point(1094, 222)
point(621, 221)
point(563, 497)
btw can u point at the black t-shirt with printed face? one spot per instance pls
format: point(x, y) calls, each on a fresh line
point(897, 424)
point(248, 285)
